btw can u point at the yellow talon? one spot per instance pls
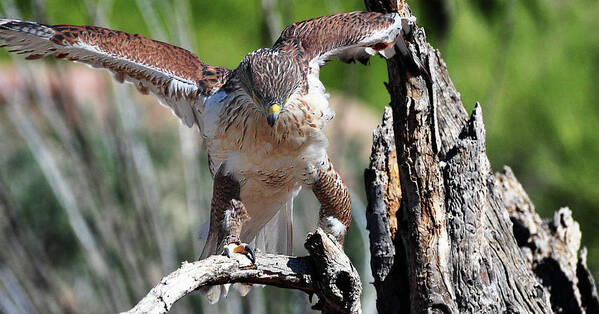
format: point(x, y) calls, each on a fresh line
point(274, 109)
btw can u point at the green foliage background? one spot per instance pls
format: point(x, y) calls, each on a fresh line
point(533, 65)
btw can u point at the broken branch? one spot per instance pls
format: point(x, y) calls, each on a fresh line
point(327, 272)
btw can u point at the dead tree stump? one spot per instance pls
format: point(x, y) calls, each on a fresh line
point(447, 235)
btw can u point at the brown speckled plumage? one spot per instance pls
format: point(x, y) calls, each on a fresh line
point(260, 157)
point(135, 48)
point(176, 76)
point(333, 32)
point(227, 212)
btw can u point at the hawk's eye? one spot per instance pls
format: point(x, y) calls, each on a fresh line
point(256, 101)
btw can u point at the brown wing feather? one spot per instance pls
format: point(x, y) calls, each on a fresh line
point(350, 36)
point(175, 75)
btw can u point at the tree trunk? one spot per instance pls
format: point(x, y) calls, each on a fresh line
point(448, 236)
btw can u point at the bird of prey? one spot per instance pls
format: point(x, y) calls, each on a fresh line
point(262, 123)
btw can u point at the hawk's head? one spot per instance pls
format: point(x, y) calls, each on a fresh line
point(270, 78)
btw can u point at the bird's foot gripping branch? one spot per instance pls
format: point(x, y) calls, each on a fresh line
point(326, 272)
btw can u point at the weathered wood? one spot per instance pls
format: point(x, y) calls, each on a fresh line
point(489, 273)
point(335, 280)
point(384, 195)
point(422, 218)
point(327, 272)
point(376, 179)
point(551, 247)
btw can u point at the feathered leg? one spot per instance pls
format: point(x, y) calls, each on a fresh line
point(335, 201)
point(227, 216)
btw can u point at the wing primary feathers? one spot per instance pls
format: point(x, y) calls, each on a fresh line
point(32, 28)
point(349, 36)
point(178, 78)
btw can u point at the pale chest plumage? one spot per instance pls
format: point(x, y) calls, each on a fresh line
point(235, 131)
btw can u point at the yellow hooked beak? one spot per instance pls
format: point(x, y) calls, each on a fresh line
point(273, 114)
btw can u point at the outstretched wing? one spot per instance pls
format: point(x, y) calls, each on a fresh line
point(176, 76)
point(349, 36)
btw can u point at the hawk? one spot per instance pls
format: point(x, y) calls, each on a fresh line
point(262, 123)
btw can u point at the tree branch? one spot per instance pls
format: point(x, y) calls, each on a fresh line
point(327, 272)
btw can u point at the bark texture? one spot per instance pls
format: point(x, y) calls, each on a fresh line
point(462, 240)
point(552, 249)
point(327, 272)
